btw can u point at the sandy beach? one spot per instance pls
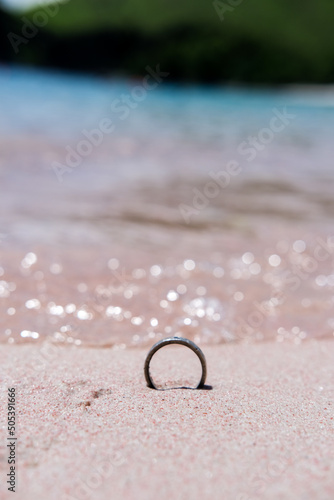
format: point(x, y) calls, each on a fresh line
point(88, 427)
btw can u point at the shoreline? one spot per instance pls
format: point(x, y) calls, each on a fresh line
point(88, 425)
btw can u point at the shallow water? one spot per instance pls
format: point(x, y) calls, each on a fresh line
point(138, 241)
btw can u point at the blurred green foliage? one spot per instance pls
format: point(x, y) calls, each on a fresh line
point(256, 41)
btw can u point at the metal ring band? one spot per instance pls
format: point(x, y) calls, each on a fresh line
point(174, 340)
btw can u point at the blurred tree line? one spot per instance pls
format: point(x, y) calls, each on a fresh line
point(253, 41)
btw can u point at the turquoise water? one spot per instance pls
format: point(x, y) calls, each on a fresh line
point(60, 105)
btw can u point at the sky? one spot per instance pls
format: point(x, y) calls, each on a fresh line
point(22, 3)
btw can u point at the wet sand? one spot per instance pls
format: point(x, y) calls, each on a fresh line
point(90, 428)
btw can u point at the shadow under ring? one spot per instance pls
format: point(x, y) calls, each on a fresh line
point(174, 340)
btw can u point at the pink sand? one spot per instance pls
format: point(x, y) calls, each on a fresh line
point(88, 427)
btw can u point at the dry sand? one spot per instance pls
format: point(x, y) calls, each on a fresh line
point(89, 428)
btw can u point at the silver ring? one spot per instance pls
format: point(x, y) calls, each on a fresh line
point(174, 340)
